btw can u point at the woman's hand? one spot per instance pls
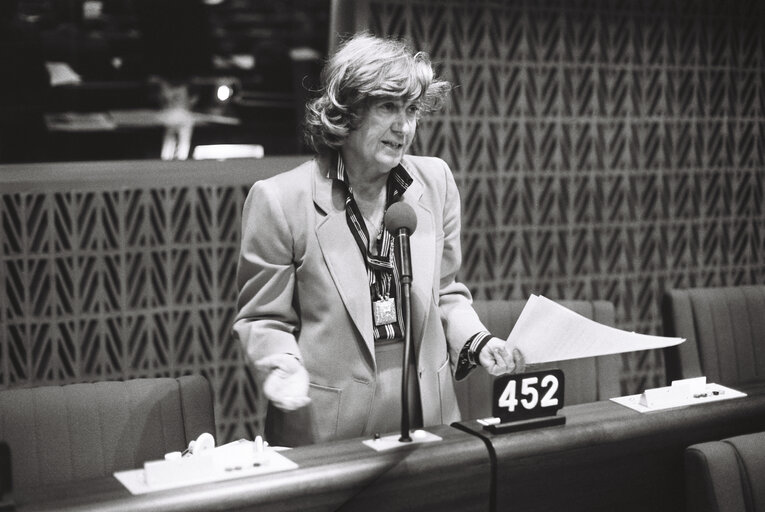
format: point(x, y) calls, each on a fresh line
point(498, 361)
point(286, 384)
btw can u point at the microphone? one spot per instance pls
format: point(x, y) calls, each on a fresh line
point(401, 220)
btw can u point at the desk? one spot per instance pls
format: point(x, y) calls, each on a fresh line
point(177, 123)
point(608, 457)
point(450, 475)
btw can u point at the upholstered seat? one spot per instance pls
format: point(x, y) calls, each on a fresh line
point(587, 380)
point(58, 434)
point(727, 475)
point(724, 329)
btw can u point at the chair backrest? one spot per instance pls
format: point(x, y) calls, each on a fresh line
point(727, 475)
point(6, 482)
point(58, 434)
point(587, 380)
point(724, 329)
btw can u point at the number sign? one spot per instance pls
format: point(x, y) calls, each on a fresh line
point(528, 395)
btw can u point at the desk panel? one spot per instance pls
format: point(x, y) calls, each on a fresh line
point(609, 457)
point(454, 474)
point(606, 457)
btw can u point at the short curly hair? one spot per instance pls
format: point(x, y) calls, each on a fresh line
point(363, 69)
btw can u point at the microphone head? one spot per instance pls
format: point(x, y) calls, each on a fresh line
point(400, 215)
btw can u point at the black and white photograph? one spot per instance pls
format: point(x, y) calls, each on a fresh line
point(382, 255)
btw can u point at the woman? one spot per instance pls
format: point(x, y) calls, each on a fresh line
point(319, 309)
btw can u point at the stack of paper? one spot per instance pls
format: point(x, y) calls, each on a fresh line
point(547, 331)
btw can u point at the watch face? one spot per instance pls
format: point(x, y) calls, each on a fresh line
point(528, 395)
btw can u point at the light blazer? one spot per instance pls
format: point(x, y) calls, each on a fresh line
point(304, 290)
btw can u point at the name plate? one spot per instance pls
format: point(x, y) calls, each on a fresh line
point(528, 396)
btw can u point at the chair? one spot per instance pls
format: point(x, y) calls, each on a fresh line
point(724, 329)
point(727, 475)
point(586, 380)
point(59, 434)
point(6, 484)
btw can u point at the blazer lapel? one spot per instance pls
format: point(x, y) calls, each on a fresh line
point(344, 261)
point(347, 267)
point(423, 247)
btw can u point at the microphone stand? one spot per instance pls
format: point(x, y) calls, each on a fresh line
point(406, 307)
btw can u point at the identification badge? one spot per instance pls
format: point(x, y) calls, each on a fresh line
point(385, 311)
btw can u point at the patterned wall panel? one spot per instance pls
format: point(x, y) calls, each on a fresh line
point(604, 149)
point(127, 278)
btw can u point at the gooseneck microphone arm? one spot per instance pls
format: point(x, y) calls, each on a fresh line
point(406, 307)
point(401, 220)
point(405, 255)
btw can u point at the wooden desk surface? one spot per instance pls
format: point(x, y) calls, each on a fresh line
point(454, 474)
point(608, 457)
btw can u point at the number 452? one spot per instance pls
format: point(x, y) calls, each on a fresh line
point(530, 392)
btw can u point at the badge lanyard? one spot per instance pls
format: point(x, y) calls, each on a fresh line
point(379, 267)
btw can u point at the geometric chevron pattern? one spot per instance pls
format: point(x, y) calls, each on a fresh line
point(124, 283)
point(604, 150)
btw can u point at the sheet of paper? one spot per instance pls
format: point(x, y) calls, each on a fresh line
point(547, 332)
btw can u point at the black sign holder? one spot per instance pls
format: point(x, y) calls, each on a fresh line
point(520, 425)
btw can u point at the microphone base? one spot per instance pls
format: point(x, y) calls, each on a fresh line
point(393, 441)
